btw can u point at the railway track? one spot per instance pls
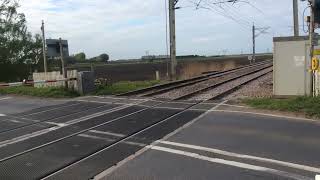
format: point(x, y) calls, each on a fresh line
point(166, 87)
point(222, 88)
point(189, 89)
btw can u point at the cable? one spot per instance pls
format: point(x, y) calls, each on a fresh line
point(226, 15)
point(304, 11)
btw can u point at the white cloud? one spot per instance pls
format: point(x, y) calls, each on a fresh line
point(127, 28)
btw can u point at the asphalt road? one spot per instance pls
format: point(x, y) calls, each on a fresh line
point(110, 138)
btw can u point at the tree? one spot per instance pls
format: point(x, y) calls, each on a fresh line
point(16, 44)
point(80, 56)
point(103, 58)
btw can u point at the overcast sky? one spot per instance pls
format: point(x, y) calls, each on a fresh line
point(129, 28)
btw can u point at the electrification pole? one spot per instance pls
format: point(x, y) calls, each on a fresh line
point(311, 34)
point(172, 24)
point(295, 18)
point(253, 43)
point(44, 48)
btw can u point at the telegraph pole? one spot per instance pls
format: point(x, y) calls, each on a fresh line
point(44, 48)
point(295, 18)
point(253, 43)
point(172, 24)
point(64, 71)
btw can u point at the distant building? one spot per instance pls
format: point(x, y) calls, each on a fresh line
point(150, 57)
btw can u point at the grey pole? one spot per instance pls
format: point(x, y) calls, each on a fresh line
point(44, 48)
point(295, 18)
point(64, 72)
point(311, 34)
point(172, 39)
point(253, 43)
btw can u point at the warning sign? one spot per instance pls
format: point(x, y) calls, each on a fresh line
point(316, 52)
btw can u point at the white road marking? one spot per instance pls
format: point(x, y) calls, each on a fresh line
point(5, 98)
point(57, 124)
point(218, 105)
point(97, 114)
point(27, 136)
point(225, 104)
point(243, 156)
point(1, 115)
point(172, 108)
point(264, 114)
point(112, 140)
point(232, 163)
point(50, 109)
point(116, 98)
point(107, 133)
point(14, 121)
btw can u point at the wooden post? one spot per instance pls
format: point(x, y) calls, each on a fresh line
point(64, 71)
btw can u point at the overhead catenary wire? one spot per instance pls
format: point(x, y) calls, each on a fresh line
point(214, 9)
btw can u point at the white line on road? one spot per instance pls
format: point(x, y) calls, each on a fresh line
point(232, 163)
point(107, 133)
point(1, 115)
point(27, 136)
point(218, 105)
point(242, 156)
point(264, 114)
point(5, 98)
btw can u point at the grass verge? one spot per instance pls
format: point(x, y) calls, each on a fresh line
point(123, 87)
point(307, 105)
point(39, 92)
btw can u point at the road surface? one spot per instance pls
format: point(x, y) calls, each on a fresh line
point(119, 138)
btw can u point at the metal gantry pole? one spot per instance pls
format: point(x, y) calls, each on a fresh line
point(172, 28)
point(253, 43)
point(311, 34)
point(44, 48)
point(295, 18)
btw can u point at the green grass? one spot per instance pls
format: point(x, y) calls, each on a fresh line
point(39, 92)
point(307, 105)
point(123, 87)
